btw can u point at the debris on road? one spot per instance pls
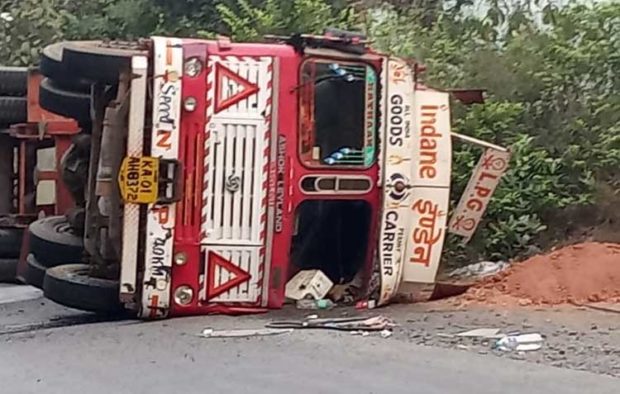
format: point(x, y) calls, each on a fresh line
point(360, 333)
point(583, 273)
point(348, 293)
point(386, 333)
point(479, 270)
point(308, 284)
point(370, 304)
point(261, 332)
point(490, 333)
point(520, 343)
point(312, 304)
point(377, 323)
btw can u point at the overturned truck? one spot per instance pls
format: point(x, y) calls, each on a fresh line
point(219, 170)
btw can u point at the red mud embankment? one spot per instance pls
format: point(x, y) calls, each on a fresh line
point(582, 273)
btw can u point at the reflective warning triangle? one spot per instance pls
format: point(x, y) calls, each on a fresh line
point(223, 96)
point(237, 275)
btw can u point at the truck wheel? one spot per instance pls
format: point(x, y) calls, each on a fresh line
point(13, 81)
point(52, 66)
point(71, 285)
point(63, 102)
point(35, 272)
point(8, 270)
point(100, 61)
point(54, 242)
point(13, 110)
point(10, 242)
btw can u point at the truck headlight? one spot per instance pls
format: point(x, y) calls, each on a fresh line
point(183, 295)
point(190, 104)
point(180, 258)
point(193, 67)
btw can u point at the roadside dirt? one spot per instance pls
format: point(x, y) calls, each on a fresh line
point(574, 337)
point(577, 274)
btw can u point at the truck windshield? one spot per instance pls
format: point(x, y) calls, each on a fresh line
point(338, 114)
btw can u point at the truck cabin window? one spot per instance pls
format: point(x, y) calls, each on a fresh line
point(338, 114)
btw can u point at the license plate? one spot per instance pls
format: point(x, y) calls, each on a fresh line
point(138, 180)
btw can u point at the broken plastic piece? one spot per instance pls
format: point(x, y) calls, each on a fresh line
point(520, 343)
point(481, 333)
point(211, 333)
point(315, 304)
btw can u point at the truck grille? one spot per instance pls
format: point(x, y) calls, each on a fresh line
point(234, 184)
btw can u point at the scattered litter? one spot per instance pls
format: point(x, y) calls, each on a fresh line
point(479, 270)
point(462, 347)
point(481, 333)
point(312, 317)
point(211, 333)
point(377, 323)
point(314, 304)
point(370, 304)
point(360, 333)
point(308, 284)
point(386, 333)
point(347, 293)
point(520, 343)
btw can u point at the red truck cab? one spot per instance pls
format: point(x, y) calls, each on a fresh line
point(242, 164)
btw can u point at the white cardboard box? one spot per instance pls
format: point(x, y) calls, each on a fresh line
point(311, 283)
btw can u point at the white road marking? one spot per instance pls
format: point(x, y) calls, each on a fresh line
point(17, 293)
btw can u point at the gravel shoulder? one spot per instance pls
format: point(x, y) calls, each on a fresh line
point(575, 338)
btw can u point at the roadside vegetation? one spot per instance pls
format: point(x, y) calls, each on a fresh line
point(550, 69)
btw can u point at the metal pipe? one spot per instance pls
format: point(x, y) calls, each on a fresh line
point(91, 233)
point(478, 142)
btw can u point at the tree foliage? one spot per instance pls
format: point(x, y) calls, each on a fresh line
point(551, 73)
point(552, 96)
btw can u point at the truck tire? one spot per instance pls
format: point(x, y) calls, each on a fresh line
point(63, 102)
point(100, 61)
point(8, 270)
point(52, 66)
point(10, 242)
point(35, 272)
point(14, 81)
point(54, 242)
point(70, 285)
point(13, 110)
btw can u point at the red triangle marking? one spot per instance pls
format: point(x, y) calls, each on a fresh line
point(215, 260)
point(247, 88)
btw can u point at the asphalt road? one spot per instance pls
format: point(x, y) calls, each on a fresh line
point(169, 357)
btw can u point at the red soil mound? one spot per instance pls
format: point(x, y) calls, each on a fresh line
point(588, 272)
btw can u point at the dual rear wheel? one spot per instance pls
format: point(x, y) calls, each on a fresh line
point(57, 260)
point(55, 265)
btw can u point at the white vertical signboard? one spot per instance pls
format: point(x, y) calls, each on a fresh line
point(432, 165)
